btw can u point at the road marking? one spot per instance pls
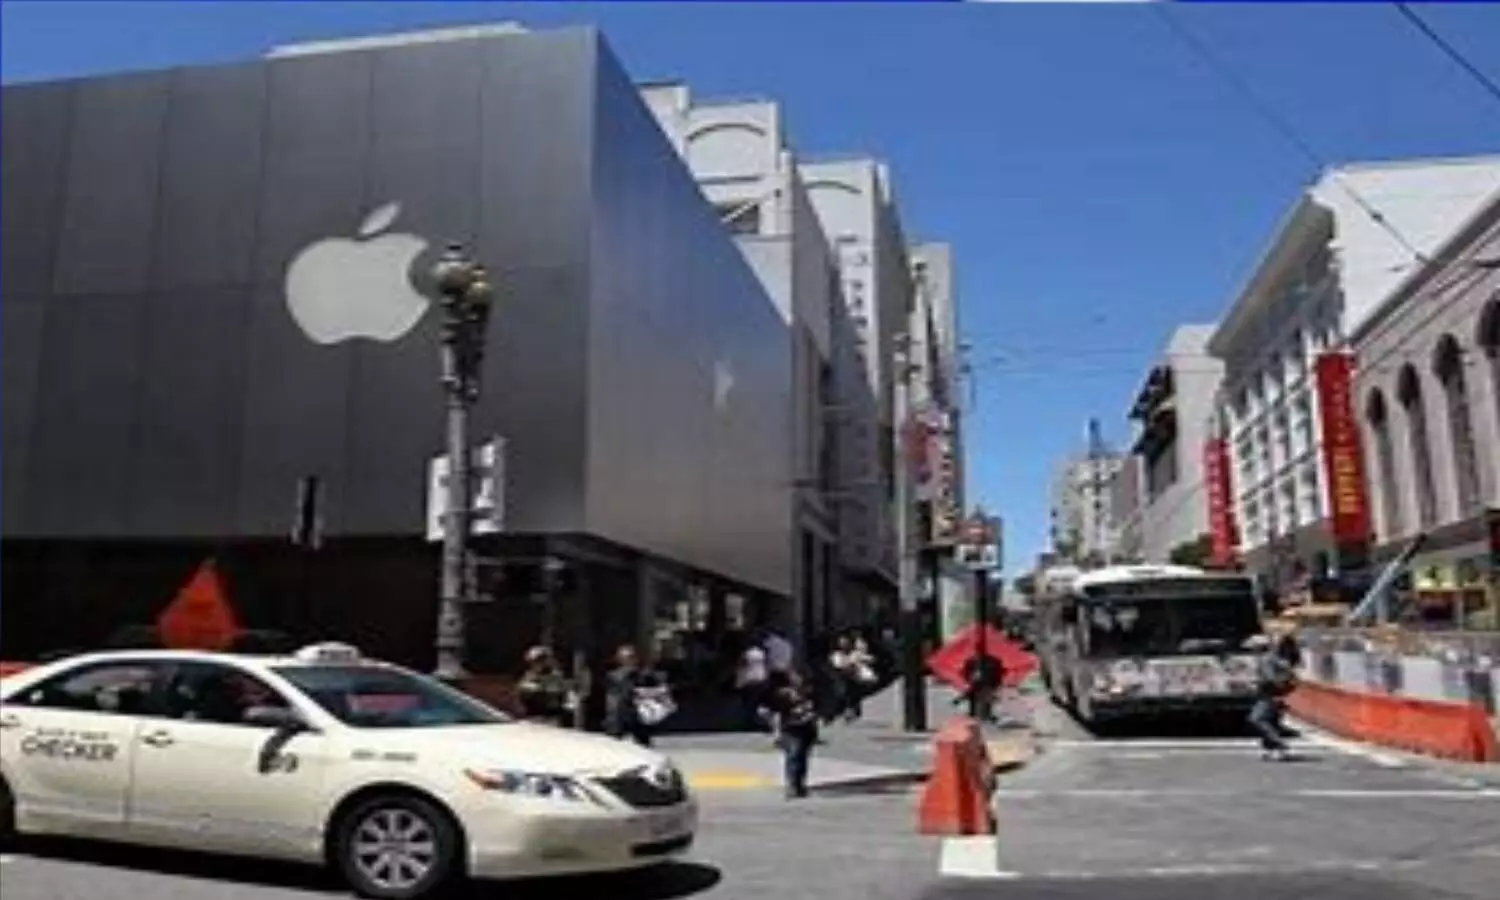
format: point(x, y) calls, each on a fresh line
point(728, 781)
point(1203, 870)
point(1320, 738)
point(1323, 793)
point(975, 856)
point(1186, 744)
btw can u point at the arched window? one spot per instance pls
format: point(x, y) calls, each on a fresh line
point(1379, 418)
point(1448, 365)
point(1409, 393)
point(1489, 344)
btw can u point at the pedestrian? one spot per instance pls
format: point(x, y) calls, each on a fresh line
point(793, 715)
point(983, 675)
point(750, 679)
point(1276, 677)
point(543, 691)
point(780, 654)
point(861, 667)
point(636, 698)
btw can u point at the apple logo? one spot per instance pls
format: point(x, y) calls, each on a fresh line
point(723, 384)
point(343, 288)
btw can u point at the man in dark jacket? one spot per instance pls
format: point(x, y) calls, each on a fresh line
point(1276, 677)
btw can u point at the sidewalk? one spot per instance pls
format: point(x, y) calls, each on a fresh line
point(874, 753)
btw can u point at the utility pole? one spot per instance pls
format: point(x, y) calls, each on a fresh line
point(466, 294)
point(913, 688)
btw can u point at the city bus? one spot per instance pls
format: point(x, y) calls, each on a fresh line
point(1131, 641)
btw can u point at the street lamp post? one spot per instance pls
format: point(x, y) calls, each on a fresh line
point(913, 685)
point(465, 294)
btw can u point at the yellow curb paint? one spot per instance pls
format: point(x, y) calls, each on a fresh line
point(728, 781)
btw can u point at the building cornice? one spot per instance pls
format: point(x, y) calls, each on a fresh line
point(1468, 234)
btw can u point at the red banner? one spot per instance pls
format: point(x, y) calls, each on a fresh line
point(1343, 460)
point(1221, 525)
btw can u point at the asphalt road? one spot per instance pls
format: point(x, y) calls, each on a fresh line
point(1164, 815)
point(1175, 814)
point(754, 845)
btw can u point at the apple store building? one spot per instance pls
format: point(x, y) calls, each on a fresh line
point(216, 313)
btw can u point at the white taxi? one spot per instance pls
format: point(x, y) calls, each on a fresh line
point(399, 781)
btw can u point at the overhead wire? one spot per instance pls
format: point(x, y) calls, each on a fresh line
point(1453, 53)
point(1282, 126)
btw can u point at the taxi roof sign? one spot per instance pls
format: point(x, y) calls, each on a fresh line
point(327, 652)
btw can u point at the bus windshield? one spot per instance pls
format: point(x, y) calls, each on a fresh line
point(1158, 626)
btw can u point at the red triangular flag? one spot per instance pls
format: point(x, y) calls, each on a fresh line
point(200, 617)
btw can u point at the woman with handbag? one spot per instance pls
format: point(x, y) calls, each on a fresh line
point(636, 698)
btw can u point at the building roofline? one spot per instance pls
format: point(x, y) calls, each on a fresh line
point(1409, 163)
point(1466, 234)
point(1300, 214)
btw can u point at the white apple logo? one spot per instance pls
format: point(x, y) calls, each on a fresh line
point(723, 384)
point(341, 288)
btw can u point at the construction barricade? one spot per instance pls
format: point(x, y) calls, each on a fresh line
point(1456, 731)
point(956, 798)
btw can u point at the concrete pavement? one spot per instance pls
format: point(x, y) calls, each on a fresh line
point(871, 753)
point(1164, 816)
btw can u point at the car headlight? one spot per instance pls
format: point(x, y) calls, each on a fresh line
point(532, 784)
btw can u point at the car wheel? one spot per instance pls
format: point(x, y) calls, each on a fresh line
point(397, 847)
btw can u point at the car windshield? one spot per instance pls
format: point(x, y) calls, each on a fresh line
point(367, 696)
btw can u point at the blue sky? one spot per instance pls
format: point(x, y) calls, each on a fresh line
point(1099, 183)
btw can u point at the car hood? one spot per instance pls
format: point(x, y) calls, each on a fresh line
point(521, 746)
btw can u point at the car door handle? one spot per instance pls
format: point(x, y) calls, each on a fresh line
point(10, 722)
point(158, 739)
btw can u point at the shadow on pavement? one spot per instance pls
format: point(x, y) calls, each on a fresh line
point(666, 881)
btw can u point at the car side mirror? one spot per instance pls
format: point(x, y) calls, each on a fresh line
point(281, 718)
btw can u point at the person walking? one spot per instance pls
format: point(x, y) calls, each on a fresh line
point(750, 679)
point(636, 698)
point(793, 715)
point(1276, 677)
point(544, 692)
point(862, 676)
point(984, 675)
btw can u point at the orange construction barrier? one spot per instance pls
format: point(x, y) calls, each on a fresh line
point(1458, 731)
point(956, 799)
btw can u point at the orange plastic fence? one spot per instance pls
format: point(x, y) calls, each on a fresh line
point(1457, 731)
point(956, 799)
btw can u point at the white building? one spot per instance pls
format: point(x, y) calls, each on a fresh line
point(1172, 413)
point(1086, 525)
point(1349, 241)
point(826, 241)
point(935, 390)
point(854, 201)
point(1428, 398)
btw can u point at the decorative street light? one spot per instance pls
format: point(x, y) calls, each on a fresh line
point(466, 296)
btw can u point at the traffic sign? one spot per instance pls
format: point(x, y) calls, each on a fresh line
point(980, 543)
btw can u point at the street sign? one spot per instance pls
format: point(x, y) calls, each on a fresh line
point(488, 499)
point(979, 544)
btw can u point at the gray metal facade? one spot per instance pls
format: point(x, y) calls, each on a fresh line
point(156, 386)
